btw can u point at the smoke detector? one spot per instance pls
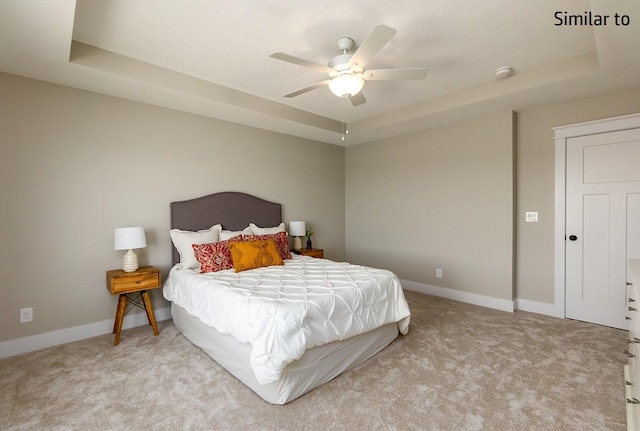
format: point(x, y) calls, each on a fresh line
point(503, 72)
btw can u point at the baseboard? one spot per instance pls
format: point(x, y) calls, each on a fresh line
point(457, 295)
point(537, 307)
point(69, 335)
point(484, 301)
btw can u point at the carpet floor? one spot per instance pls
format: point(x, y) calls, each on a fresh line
point(461, 367)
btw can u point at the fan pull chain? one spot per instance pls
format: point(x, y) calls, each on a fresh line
point(345, 122)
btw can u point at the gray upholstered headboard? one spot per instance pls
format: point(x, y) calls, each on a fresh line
point(233, 210)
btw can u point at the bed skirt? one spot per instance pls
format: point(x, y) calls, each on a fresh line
point(316, 367)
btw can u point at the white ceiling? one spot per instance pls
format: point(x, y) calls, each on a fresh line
point(212, 57)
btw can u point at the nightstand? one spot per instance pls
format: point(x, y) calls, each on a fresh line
point(314, 252)
point(129, 283)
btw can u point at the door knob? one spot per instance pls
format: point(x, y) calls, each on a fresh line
point(573, 237)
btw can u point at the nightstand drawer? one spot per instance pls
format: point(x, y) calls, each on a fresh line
point(141, 279)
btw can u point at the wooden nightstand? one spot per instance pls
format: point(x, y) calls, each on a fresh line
point(314, 252)
point(125, 283)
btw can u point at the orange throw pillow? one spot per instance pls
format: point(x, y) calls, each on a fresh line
point(254, 254)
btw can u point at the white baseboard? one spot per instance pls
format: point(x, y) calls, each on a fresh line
point(457, 295)
point(484, 301)
point(68, 335)
point(538, 308)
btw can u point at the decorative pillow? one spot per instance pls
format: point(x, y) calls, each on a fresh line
point(215, 257)
point(228, 234)
point(282, 243)
point(257, 230)
point(182, 240)
point(254, 254)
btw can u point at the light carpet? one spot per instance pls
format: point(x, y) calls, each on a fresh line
point(461, 367)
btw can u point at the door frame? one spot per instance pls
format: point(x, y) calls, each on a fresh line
point(561, 135)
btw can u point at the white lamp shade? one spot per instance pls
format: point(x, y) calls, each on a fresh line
point(297, 228)
point(346, 85)
point(127, 238)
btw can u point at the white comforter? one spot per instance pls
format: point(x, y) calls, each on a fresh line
point(283, 310)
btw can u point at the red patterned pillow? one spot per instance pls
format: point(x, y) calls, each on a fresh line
point(215, 256)
point(282, 243)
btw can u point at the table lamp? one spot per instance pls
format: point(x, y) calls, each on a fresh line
point(296, 230)
point(129, 238)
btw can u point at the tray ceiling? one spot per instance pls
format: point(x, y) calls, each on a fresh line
point(212, 58)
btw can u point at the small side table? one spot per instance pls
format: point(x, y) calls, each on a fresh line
point(314, 252)
point(126, 283)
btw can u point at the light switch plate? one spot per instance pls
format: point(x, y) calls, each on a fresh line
point(531, 217)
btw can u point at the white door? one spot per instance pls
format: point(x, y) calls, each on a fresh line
point(602, 224)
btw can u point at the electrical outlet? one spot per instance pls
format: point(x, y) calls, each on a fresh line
point(26, 315)
point(439, 273)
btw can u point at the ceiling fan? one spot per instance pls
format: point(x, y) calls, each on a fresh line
point(346, 71)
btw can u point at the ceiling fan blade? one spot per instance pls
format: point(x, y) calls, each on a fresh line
point(309, 88)
point(378, 38)
point(394, 74)
point(301, 62)
point(358, 99)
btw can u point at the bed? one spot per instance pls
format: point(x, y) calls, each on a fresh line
point(282, 330)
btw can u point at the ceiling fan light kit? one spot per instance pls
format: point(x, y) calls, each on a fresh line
point(346, 85)
point(346, 71)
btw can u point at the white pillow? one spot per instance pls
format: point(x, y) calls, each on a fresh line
point(257, 230)
point(228, 234)
point(182, 240)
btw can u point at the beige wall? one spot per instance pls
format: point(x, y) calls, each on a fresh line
point(410, 200)
point(536, 176)
point(440, 198)
point(75, 165)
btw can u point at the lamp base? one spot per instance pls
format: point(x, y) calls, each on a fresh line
point(297, 243)
point(130, 262)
